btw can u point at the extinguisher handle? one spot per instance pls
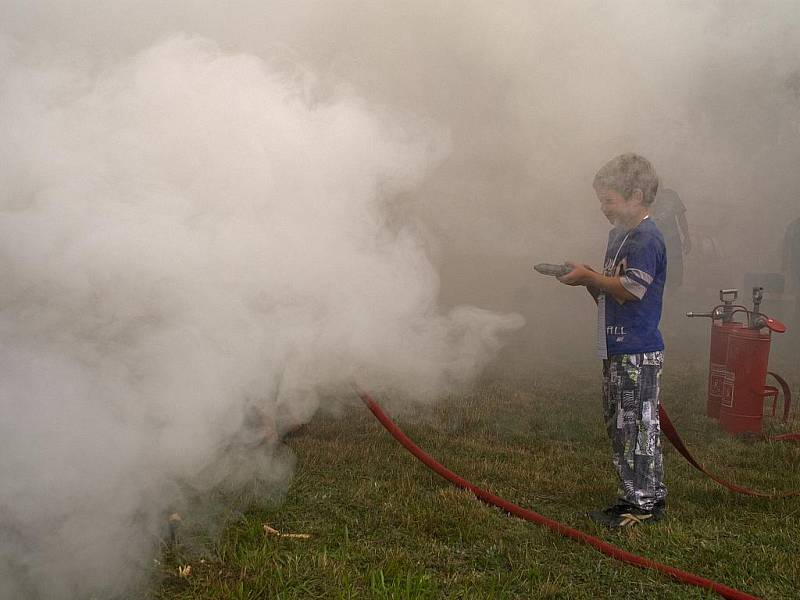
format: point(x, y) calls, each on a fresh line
point(787, 394)
point(771, 391)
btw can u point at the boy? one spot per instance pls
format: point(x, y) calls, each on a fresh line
point(628, 295)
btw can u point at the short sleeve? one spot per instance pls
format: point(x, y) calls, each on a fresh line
point(641, 264)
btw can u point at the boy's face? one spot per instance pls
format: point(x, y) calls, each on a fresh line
point(618, 209)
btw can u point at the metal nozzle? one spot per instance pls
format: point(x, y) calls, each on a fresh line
point(727, 309)
point(710, 315)
point(758, 296)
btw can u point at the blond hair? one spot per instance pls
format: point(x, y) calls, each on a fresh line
point(626, 173)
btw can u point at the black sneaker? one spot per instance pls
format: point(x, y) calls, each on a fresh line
point(626, 515)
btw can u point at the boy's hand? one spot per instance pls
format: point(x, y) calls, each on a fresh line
point(579, 275)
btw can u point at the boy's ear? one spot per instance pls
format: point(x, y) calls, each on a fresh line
point(637, 196)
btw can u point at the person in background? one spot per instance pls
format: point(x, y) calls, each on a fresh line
point(791, 268)
point(669, 214)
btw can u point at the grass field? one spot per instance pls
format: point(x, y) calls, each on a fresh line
point(382, 526)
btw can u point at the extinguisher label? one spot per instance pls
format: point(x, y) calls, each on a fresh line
point(722, 382)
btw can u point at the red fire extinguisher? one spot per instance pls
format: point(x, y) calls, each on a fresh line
point(720, 384)
point(738, 360)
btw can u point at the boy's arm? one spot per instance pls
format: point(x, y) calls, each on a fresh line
point(583, 275)
point(593, 291)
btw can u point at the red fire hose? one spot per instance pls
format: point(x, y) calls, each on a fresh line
point(672, 435)
point(560, 528)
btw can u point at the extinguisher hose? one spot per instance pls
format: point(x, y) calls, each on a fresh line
point(529, 515)
point(672, 435)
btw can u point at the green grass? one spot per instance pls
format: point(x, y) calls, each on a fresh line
point(384, 526)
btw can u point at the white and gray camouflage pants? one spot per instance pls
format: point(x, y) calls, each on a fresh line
point(630, 409)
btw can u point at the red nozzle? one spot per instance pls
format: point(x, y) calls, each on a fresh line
point(774, 325)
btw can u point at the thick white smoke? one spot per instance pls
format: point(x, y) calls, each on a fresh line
point(196, 235)
point(190, 239)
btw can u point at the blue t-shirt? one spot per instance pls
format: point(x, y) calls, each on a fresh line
point(639, 258)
